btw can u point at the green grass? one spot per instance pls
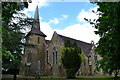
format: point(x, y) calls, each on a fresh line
point(110, 77)
point(7, 76)
point(10, 77)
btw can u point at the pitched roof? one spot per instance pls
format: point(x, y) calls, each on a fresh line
point(36, 25)
point(86, 47)
point(37, 32)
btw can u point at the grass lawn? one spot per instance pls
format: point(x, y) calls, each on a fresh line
point(9, 77)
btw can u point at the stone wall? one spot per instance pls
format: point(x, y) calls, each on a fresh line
point(53, 50)
point(48, 56)
point(34, 57)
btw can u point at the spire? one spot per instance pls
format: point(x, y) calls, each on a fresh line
point(36, 16)
point(36, 25)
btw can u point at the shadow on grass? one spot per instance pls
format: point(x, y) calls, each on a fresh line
point(6, 77)
point(61, 79)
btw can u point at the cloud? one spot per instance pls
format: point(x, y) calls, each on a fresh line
point(57, 20)
point(80, 32)
point(46, 29)
point(87, 14)
point(32, 6)
point(83, 32)
point(64, 16)
point(54, 21)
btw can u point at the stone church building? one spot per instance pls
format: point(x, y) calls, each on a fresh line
point(43, 57)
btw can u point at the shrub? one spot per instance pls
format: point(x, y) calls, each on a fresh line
point(71, 59)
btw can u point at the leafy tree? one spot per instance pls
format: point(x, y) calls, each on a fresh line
point(70, 58)
point(12, 24)
point(0, 42)
point(108, 26)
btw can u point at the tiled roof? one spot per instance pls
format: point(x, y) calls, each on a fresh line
point(86, 47)
point(37, 32)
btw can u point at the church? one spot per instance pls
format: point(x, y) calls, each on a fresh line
point(43, 57)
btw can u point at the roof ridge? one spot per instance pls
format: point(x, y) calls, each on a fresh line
point(86, 47)
point(73, 39)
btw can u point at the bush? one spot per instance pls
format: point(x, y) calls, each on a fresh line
point(71, 60)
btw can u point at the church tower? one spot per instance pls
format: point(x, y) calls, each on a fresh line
point(35, 55)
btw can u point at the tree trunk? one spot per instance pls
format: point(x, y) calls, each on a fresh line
point(116, 74)
point(15, 74)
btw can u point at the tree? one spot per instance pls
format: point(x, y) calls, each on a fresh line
point(108, 26)
point(12, 23)
point(70, 58)
point(0, 44)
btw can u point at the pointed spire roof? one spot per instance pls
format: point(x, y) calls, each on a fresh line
point(36, 25)
point(36, 16)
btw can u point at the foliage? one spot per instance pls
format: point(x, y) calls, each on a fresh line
point(9, 77)
point(82, 55)
point(13, 21)
point(108, 25)
point(70, 58)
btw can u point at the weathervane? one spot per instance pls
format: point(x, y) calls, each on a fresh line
point(37, 3)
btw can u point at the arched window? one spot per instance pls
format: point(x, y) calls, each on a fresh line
point(53, 58)
point(29, 56)
point(47, 56)
point(95, 58)
point(56, 57)
point(38, 40)
point(85, 63)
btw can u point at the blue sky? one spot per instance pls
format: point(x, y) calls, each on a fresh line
point(56, 9)
point(67, 18)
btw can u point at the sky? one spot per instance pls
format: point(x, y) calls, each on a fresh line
point(66, 18)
